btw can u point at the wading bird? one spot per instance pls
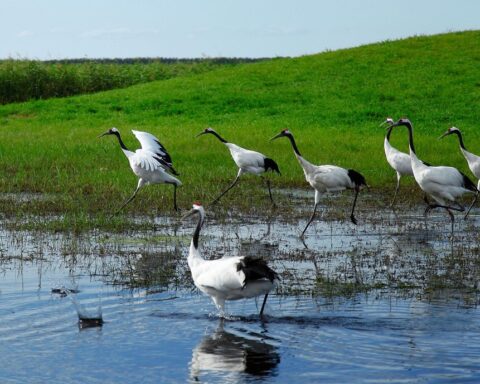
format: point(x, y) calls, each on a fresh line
point(247, 162)
point(151, 164)
point(228, 278)
point(326, 178)
point(472, 159)
point(399, 161)
point(443, 184)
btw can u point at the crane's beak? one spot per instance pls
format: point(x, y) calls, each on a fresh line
point(103, 134)
point(445, 134)
point(388, 122)
point(188, 214)
point(201, 133)
point(277, 136)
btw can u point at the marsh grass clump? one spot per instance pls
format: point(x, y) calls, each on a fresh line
point(22, 80)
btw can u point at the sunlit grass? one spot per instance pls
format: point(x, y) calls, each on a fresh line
point(332, 102)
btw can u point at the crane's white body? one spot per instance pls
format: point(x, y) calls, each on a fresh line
point(146, 162)
point(224, 279)
point(444, 184)
point(220, 279)
point(399, 161)
point(473, 162)
point(246, 160)
point(441, 183)
point(325, 178)
point(151, 163)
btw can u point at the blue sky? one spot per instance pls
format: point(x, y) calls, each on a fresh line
point(53, 29)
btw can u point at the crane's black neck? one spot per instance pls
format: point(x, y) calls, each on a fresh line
point(389, 132)
point(294, 145)
point(218, 137)
point(460, 139)
point(410, 135)
point(120, 140)
point(196, 234)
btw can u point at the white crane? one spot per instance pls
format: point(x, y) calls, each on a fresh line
point(472, 159)
point(247, 162)
point(228, 278)
point(443, 184)
point(399, 161)
point(151, 164)
point(326, 178)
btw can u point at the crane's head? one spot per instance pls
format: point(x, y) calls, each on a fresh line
point(403, 121)
point(111, 131)
point(450, 131)
point(196, 208)
point(388, 121)
point(205, 131)
point(283, 133)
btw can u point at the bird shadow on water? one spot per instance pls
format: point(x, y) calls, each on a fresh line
point(233, 353)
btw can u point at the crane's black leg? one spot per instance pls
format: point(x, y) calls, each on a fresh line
point(140, 185)
point(425, 199)
point(269, 191)
point(352, 217)
point(460, 208)
point(449, 209)
point(471, 205)
point(452, 218)
point(396, 191)
point(263, 305)
point(175, 197)
point(224, 192)
point(311, 219)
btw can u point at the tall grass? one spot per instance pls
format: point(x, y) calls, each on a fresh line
point(22, 80)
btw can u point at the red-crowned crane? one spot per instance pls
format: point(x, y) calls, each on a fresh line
point(473, 160)
point(443, 184)
point(399, 161)
point(326, 178)
point(228, 278)
point(247, 162)
point(151, 164)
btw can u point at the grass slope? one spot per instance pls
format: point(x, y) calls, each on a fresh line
point(333, 102)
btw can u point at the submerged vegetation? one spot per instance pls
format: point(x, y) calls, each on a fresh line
point(333, 102)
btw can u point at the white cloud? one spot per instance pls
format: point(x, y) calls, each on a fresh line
point(25, 33)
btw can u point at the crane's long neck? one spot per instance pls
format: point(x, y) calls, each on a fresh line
point(460, 139)
point(121, 141)
point(410, 138)
point(194, 257)
point(389, 132)
point(306, 165)
point(218, 137)
point(196, 234)
point(294, 144)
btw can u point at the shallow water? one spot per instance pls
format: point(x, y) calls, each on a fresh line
point(392, 299)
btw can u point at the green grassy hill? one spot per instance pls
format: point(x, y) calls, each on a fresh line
point(333, 102)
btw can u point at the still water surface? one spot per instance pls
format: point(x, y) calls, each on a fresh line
point(166, 331)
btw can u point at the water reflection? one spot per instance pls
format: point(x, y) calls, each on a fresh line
point(233, 356)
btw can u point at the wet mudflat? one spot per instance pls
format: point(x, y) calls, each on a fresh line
point(394, 298)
